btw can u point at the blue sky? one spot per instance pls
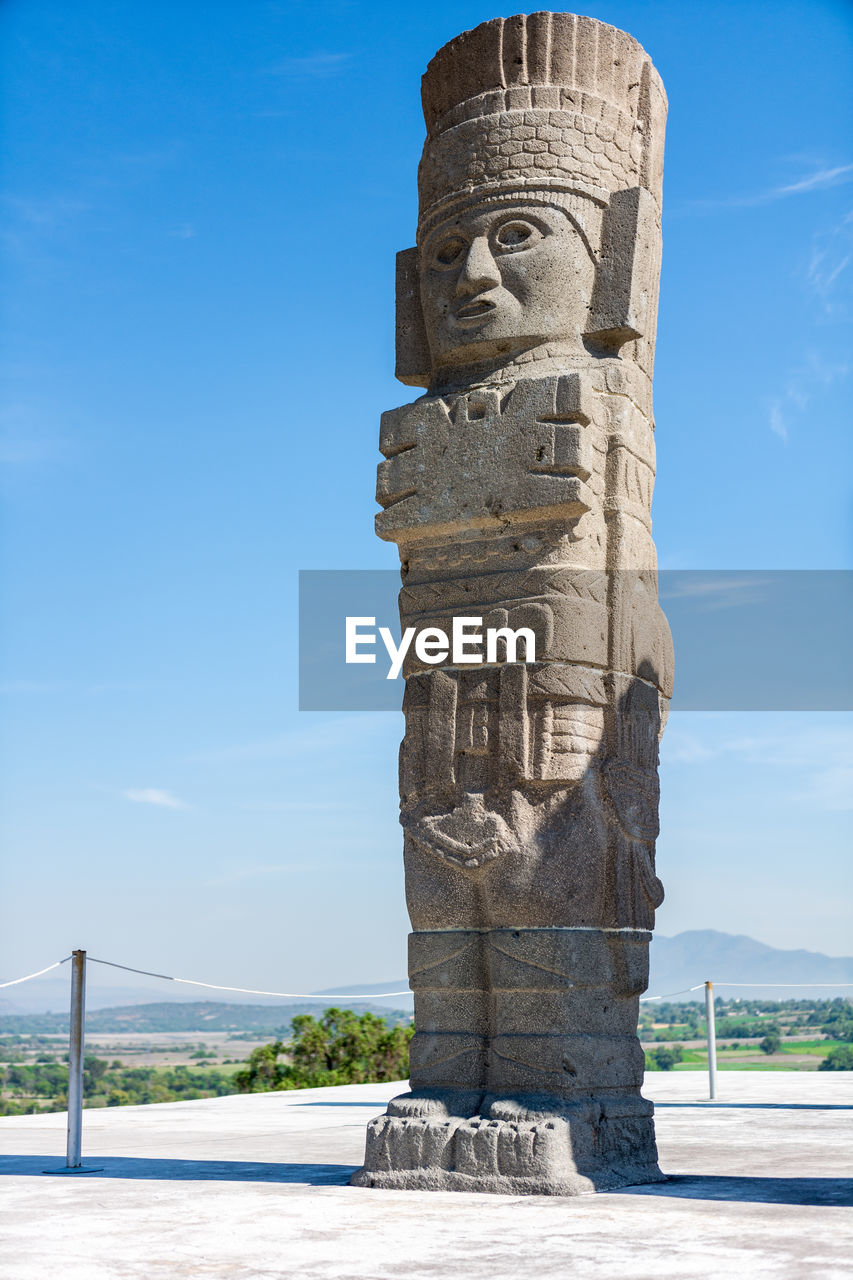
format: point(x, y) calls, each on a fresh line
point(202, 205)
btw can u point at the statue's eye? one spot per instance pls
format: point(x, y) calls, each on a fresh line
point(515, 235)
point(450, 251)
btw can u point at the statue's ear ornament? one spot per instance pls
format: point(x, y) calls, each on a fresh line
point(625, 279)
point(413, 358)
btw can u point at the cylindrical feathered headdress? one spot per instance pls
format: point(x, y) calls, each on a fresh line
point(548, 101)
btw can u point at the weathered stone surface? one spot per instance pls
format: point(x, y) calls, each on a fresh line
point(518, 490)
point(530, 1147)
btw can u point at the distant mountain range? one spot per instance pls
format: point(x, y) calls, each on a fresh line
point(704, 954)
point(676, 964)
point(186, 1019)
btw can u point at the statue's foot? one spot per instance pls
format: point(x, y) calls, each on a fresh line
point(456, 1140)
point(427, 1104)
point(531, 1108)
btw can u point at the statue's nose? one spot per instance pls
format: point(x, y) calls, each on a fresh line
point(479, 271)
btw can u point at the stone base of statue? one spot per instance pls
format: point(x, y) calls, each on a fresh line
point(529, 1145)
point(525, 1068)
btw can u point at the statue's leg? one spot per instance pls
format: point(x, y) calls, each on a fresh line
point(413, 1144)
point(565, 1005)
point(449, 1050)
point(564, 1059)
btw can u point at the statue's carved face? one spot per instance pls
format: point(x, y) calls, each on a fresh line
point(498, 279)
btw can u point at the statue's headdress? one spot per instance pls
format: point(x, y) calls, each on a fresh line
point(554, 108)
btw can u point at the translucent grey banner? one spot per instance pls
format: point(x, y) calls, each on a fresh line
point(763, 640)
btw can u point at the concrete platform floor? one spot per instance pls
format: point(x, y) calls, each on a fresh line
point(254, 1187)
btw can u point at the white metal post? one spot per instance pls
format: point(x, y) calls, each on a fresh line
point(712, 1041)
point(75, 1060)
point(76, 1039)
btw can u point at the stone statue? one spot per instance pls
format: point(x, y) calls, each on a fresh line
point(518, 489)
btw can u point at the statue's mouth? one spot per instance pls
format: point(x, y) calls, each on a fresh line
point(474, 310)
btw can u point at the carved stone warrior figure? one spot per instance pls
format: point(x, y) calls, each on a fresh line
point(518, 490)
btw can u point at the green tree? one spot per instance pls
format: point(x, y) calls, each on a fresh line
point(94, 1070)
point(342, 1047)
point(771, 1042)
point(838, 1059)
point(838, 1030)
point(10, 1108)
point(263, 1070)
point(837, 1018)
point(665, 1059)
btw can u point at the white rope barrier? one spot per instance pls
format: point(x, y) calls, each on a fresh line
point(699, 985)
point(669, 994)
point(299, 995)
point(14, 981)
point(779, 984)
point(252, 991)
point(370, 995)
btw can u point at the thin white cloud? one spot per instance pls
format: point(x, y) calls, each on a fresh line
point(351, 730)
point(69, 687)
point(679, 747)
point(824, 274)
point(812, 374)
point(31, 433)
point(45, 212)
point(22, 451)
point(26, 686)
point(831, 789)
point(777, 422)
point(818, 759)
point(314, 66)
point(293, 806)
point(153, 795)
point(239, 874)
point(729, 591)
point(37, 225)
point(823, 178)
point(832, 253)
point(817, 181)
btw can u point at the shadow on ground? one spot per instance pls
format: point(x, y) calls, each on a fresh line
point(377, 1106)
point(799, 1191)
point(145, 1169)
point(757, 1106)
point(706, 1186)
